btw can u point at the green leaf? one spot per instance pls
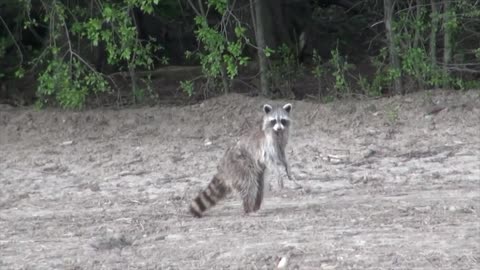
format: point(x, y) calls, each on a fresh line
point(268, 51)
point(240, 31)
point(19, 73)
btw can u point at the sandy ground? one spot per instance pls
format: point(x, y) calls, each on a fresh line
point(392, 183)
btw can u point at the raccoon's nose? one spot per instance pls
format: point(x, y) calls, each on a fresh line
point(278, 128)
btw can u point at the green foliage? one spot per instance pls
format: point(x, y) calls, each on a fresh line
point(67, 33)
point(477, 53)
point(382, 79)
point(219, 5)
point(318, 71)
point(68, 83)
point(219, 52)
point(65, 77)
point(222, 45)
point(187, 87)
point(412, 34)
point(19, 73)
point(145, 5)
point(115, 28)
point(415, 63)
point(268, 52)
point(286, 70)
point(340, 69)
point(366, 87)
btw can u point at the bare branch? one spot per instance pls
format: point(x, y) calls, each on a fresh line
point(14, 41)
point(68, 40)
point(194, 8)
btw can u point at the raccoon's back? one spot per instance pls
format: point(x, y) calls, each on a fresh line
point(242, 162)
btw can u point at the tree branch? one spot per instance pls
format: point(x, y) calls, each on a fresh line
point(14, 41)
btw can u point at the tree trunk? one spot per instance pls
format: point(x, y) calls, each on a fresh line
point(418, 9)
point(223, 65)
point(392, 48)
point(260, 38)
point(225, 80)
point(417, 40)
point(433, 34)
point(447, 45)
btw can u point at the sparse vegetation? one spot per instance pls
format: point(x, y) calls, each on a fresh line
point(79, 52)
point(285, 70)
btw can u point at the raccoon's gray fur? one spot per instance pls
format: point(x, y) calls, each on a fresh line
point(242, 168)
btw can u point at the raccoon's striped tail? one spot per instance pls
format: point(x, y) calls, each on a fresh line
point(215, 191)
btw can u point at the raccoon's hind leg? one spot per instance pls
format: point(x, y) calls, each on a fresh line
point(249, 195)
point(252, 192)
point(259, 198)
point(216, 190)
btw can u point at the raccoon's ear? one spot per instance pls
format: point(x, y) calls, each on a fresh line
point(267, 108)
point(287, 107)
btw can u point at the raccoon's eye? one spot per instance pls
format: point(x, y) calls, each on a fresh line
point(284, 122)
point(273, 122)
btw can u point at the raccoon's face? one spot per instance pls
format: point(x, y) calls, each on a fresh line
point(276, 119)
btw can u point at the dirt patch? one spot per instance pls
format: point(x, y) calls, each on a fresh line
point(388, 183)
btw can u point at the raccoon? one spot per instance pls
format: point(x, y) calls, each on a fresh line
point(243, 165)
